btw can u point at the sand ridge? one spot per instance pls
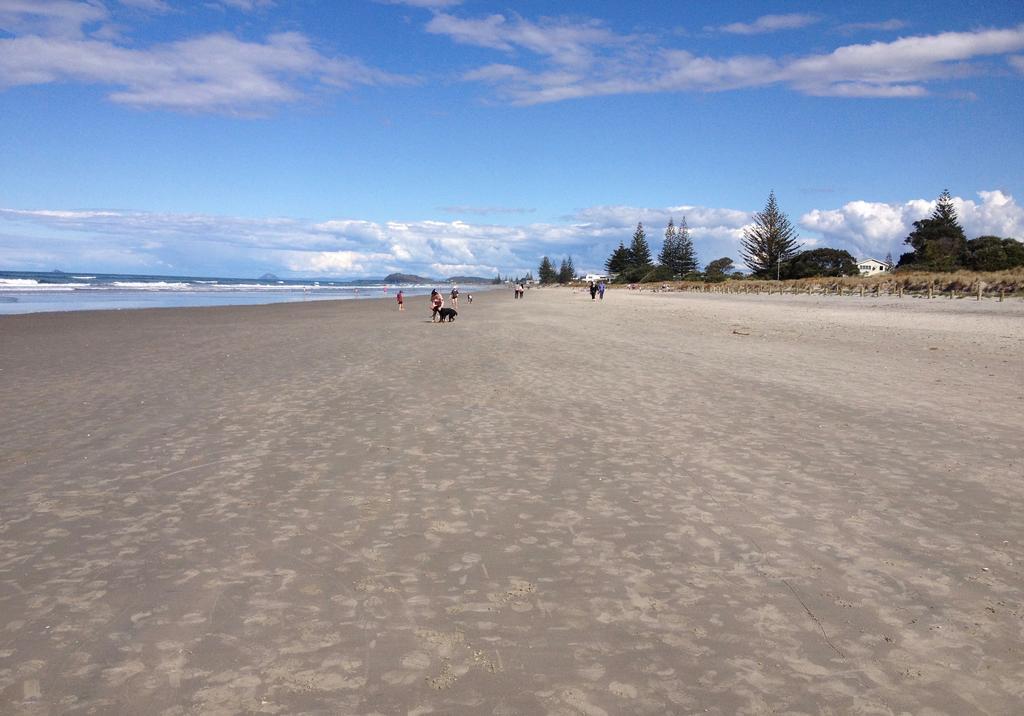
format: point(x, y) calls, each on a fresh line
point(652, 504)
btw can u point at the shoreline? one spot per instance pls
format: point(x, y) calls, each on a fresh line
point(125, 299)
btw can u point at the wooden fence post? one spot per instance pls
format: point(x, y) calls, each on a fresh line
point(981, 287)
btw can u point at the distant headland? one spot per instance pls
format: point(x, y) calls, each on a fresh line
point(413, 278)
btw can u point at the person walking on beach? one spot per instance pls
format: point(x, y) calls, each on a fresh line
point(400, 297)
point(593, 290)
point(600, 289)
point(469, 297)
point(455, 297)
point(436, 304)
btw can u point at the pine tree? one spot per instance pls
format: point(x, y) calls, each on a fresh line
point(888, 261)
point(567, 272)
point(639, 251)
point(618, 261)
point(678, 254)
point(769, 241)
point(669, 248)
point(938, 242)
point(687, 254)
point(546, 271)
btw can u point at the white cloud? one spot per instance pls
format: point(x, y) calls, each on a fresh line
point(134, 228)
point(428, 4)
point(333, 263)
point(771, 23)
point(563, 42)
point(557, 59)
point(58, 214)
point(49, 17)
point(880, 26)
point(997, 215)
point(187, 243)
point(247, 5)
point(148, 5)
point(463, 270)
point(210, 73)
point(875, 228)
point(898, 64)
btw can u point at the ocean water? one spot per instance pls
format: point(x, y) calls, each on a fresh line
point(35, 292)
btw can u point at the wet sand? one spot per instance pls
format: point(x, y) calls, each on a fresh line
point(655, 504)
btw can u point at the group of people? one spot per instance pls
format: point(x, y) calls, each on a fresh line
point(436, 301)
point(520, 290)
point(596, 289)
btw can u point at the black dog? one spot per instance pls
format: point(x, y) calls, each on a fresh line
point(449, 313)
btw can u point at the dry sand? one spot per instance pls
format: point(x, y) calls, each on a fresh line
point(655, 504)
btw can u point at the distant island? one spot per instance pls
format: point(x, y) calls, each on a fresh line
point(408, 278)
point(269, 277)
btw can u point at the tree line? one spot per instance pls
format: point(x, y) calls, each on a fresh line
point(770, 248)
point(939, 243)
point(547, 273)
point(768, 243)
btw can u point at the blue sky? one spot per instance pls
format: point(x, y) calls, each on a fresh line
point(359, 137)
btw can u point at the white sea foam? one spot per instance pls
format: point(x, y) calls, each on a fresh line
point(152, 285)
point(288, 287)
point(309, 289)
point(26, 285)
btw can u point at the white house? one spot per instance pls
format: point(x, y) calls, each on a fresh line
point(595, 277)
point(869, 267)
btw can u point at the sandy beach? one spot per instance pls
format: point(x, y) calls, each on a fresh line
point(658, 503)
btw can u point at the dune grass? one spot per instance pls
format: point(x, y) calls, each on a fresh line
point(1010, 282)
